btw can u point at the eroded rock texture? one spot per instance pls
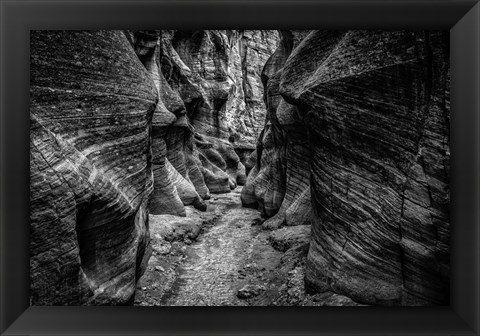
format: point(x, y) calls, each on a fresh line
point(92, 103)
point(217, 75)
point(376, 109)
point(172, 187)
point(279, 182)
point(124, 124)
point(211, 105)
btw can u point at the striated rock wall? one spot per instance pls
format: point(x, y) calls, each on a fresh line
point(217, 75)
point(279, 182)
point(92, 103)
point(124, 124)
point(353, 138)
point(250, 50)
point(208, 81)
point(376, 109)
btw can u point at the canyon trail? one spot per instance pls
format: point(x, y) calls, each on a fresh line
point(210, 275)
point(224, 257)
point(231, 252)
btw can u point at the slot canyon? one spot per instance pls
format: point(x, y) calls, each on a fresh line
point(240, 167)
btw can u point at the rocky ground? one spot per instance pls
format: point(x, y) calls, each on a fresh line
point(224, 257)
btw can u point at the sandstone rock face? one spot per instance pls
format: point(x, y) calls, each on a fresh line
point(172, 188)
point(211, 104)
point(352, 137)
point(127, 124)
point(92, 103)
point(250, 49)
point(376, 109)
point(279, 182)
point(217, 75)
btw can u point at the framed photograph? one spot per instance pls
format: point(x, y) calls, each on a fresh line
point(240, 167)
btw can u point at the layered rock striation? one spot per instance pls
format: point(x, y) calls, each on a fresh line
point(92, 103)
point(279, 181)
point(352, 137)
point(207, 82)
point(123, 125)
point(375, 106)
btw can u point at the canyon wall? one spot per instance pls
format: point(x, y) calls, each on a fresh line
point(374, 113)
point(127, 124)
point(352, 138)
point(279, 181)
point(92, 103)
point(211, 110)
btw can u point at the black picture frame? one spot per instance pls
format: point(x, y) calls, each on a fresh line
point(461, 17)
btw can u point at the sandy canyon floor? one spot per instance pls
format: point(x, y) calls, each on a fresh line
point(223, 257)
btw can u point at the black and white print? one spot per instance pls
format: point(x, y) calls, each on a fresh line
point(240, 168)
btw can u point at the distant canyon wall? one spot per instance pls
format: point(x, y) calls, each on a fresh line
point(357, 144)
point(124, 124)
point(211, 106)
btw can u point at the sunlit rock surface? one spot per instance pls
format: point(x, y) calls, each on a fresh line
point(92, 103)
point(375, 107)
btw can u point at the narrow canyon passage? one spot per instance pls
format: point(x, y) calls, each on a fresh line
point(340, 138)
